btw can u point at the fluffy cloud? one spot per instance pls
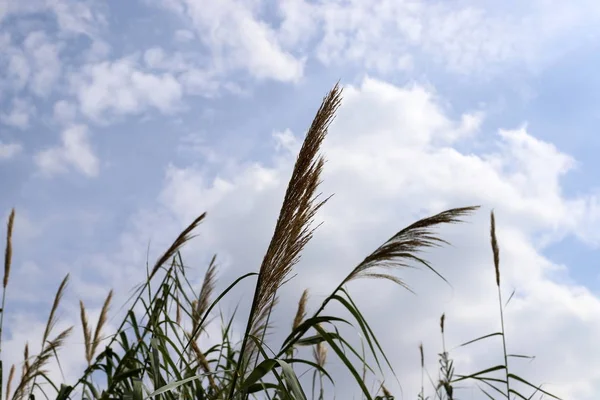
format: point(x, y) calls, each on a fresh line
point(389, 36)
point(121, 88)
point(19, 115)
point(74, 151)
point(72, 16)
point(45, 62)
point(183, 35)
point(34, 63)
point(64, 111)
point(237, 40)
point(9, 150)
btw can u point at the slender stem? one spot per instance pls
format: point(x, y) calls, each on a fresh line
point(504, 343)
point(2, 317)
point(1, 323)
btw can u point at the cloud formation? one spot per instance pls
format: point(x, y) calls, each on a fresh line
point(74, 152)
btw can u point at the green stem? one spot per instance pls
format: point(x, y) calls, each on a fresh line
point(91, 367)
point(504, 343)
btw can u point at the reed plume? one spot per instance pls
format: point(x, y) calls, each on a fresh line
point(293, 228)
point(35, 370)
point(495, 249)
point(25, 359)
point(8, 249)
point(87, 333)
point(201, 305)
point(404, 246)
point(203, 362)
point(51, 347)
point(301, 312)
point(101, 321)
point(7, 264)
point(183, 237)
point(11, 375)
point(496, 254)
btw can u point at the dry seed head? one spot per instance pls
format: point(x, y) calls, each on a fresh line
point(385, 391)
point(320, 354)
point(51, 318)
point(194, 313)
point(87, 334)
point(208, 287)
point(183, 237)
point(301, 312)
point(25, 359)
point(442, 320)
point(260, 330)
point(202, 361)
point(402, 249)
point(422, 355)
point(101, 321)
point(11, 375)
point(8, 250)
point(293, 228)
point(495, 248)
point(36, 368)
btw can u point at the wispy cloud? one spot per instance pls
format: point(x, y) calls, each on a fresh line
point(75, 152)
point(9, 150)
point(237, 40)
point(20, 114)
point(45, 64)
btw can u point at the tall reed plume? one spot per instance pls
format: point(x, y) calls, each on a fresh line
point(92, 341)
point(7, 264)
point(293, 228)
point(496, 254)
point(48, 349)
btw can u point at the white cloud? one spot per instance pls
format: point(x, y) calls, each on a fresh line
point(72, 16)
point(98, 51)
point(19, 115)
point(78, 16)
point(121, 87)
point(465, 37)
point(18, 69)
point(237, 40)
point(74, 151)
point(184, 35)
point(157, 58)
point(64, 111)
point(9, 150)
point(44, 57)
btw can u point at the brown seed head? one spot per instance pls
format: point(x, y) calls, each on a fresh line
point(495, 249)
point(301, 312)
point(8, 250)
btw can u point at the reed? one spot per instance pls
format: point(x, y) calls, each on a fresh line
point(153, 355)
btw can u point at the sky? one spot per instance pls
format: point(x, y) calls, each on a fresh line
point(120, 122)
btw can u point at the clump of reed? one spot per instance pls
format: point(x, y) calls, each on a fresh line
point(153, 355)
point(488, 383)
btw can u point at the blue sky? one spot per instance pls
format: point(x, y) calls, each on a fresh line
point(122, 121)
